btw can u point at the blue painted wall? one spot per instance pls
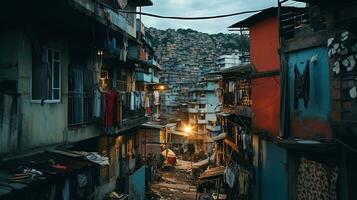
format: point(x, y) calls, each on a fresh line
point(319, 103)
point(137, 184)
point(274, 176)
point(271, 175)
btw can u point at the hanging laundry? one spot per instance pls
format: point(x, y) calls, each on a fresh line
point(156, 97)
point(244, 141)
point(244, 181)
point(132, 101)
point(302, 85)
point(147, 106)
point(231, 86)
point(316, 181)
point(229, 175)
point(142, 97)
point(111, 101)
point(97, 104)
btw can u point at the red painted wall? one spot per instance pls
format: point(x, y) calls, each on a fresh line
point(264, 44)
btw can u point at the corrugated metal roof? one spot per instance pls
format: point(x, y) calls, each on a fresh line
point(243, 68)
point(266, 13)
point(213, 173)
point(51, 165)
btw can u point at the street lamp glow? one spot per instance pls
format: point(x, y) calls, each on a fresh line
point(161, 87)
point(187, 129)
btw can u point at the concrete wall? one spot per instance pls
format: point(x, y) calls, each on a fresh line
point(41, 124)
point(37, 124)
point(8, 123)
point(9, 45)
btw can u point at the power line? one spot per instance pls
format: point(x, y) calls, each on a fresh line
point(346, 145)
point(191, 18)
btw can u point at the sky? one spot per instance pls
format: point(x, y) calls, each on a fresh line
point(196, 8)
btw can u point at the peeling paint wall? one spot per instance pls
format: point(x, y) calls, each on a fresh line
point(24, 123)
point(8, 98)
point(41, 124)
point(8, 123)
point(312, 121)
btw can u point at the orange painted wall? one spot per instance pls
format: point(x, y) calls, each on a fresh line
point(264, 44)
point(266, 105)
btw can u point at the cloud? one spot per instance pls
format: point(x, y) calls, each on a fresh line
point(195, 8)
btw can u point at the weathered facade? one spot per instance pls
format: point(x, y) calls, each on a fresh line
point(64, 84)
point(317, 66)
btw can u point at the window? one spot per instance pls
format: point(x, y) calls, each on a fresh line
point(46, 76)
point(202, 117)
point(122, 81)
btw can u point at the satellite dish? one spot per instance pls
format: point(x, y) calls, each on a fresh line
point(122, 3)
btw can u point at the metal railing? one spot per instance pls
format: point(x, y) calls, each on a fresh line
point(113, 5)
point(80, 108)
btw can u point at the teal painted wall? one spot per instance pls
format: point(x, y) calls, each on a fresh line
point(319, 104)
point(271, 175)
point(311, 122)
point(137, 184)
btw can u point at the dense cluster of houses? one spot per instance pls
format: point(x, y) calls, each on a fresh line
point(78, 83)
point(289, 117)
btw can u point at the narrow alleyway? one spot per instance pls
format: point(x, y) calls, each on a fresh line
point(174, 182)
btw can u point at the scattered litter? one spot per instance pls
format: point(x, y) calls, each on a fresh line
point(99, 159)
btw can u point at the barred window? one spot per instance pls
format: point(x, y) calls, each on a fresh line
point(46, 76)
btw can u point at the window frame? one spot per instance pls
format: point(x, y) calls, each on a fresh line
point(52, 79)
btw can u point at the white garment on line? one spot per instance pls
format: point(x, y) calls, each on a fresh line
point(97, 103)
point(231, 86)
point(132, 101)
point(156, 97)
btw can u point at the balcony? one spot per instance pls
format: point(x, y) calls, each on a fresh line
point(211, 128)
point(198, 100)
point(125, 22)
point(154, 62)
point(202, 110)
point(132, 123)
point(137, 53)
point(202, 121)
point(192, 110)
point(155, 79)
point(141, 76)
point(125, 118)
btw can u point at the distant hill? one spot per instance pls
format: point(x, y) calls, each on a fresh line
point(187, 46)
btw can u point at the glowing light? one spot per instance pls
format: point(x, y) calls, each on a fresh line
point(99, 52)
point(187, 129)
point(161, 87)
